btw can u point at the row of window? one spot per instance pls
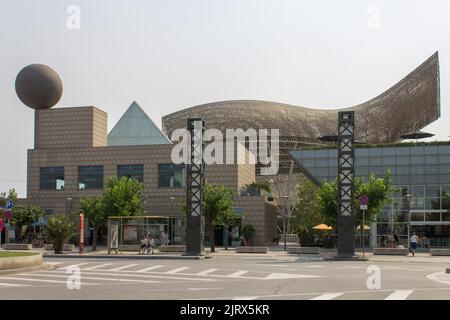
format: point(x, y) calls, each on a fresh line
point(91, 177)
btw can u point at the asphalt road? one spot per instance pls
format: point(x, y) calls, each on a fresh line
point(228, 277)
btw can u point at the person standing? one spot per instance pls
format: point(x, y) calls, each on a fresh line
point(413, 243)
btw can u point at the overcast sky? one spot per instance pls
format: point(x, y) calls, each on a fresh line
point(172, 54)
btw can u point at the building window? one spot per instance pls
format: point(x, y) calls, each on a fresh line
point(52, 178)
point(171, 175)
point(133, 171)
point(90, 177)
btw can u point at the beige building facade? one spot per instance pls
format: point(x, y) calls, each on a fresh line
point(72, 159)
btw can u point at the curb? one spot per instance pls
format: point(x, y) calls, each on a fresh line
point(143, 257)
point(45, 267)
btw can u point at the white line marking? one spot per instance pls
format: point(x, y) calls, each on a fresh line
point(42, 280)
point(245, 298)
point(177, 270)
point(399, 295)
point(99, 266)
point(97, 278)
point(203, 289)
point(288, 276)
point(316, 266)
point(441, 277)
point(163, 276)
point(206, 272)
point(124, 267)
point(237, 274)
point(12, 285)
point(328, 296)
point(72, 266)
point(149, 268)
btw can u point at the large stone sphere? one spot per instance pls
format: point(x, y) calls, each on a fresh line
point(38, 86)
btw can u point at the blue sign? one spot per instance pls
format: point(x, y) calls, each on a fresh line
point(9, 205)
point(239, 211)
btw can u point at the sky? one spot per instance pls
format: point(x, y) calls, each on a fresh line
point(173, 54)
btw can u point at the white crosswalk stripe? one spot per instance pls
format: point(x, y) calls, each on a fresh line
point(123, 267)
point(328, 296)
point(206, 272)
point(83, 277)
point(237, 274)
point(150, 268)
point(399, 295)
point(99, 266)
point(177, 270)
point(73, 266)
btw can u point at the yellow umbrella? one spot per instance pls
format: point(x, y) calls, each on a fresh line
point(366, 227)
point(322, 226)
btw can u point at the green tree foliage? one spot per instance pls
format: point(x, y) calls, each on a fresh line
point(379, 191)
point(10, 195)
point(218, 207)
point(123, 197)
point(248, 231)
point(25, 217)
point(94, 210)
point(308, 214)
point(58, 229)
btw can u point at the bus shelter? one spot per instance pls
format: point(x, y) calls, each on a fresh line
point(125, 233)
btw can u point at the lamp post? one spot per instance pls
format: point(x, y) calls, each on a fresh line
point(69, 209)
point(408, 208)
point(285, 199)
point(169, 230)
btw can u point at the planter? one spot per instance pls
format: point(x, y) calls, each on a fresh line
point(303, 250)
point(252, 249)
point(21, 262)
point(235, 243)
point(17, 246)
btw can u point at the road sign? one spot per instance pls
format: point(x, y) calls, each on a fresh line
point(363, 200)
point(363, 206)
point(9, 204)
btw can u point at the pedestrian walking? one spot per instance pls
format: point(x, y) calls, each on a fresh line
point(413, 243)
point(151, 245)
point(144, 244)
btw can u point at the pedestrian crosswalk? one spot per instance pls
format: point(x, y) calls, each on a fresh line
point(100, 272)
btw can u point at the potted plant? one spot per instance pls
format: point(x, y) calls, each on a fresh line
point(59, 228)
point(248, 232)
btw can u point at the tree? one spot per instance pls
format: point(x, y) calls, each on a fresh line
point(10, 195)
point(95, 212)
point(218, 207)
point(25, 217)
point(308, 214)
point(58, 229)
point(123, 197)
point(379, 191)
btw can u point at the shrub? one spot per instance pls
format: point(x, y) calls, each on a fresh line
point(59, 228)
point(248, 231)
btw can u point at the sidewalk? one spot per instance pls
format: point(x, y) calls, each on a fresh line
point(274, 251)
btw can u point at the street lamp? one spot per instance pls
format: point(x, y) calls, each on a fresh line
point(169, 230)
point(408, 208)
point(68, 208)
point(285, 199)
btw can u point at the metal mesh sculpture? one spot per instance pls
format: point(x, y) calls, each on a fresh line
point(405, 108)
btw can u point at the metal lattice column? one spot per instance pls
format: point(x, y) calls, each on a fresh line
point(195, 183)
point(346, 155)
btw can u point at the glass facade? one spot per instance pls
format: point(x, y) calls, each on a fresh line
point(52, 178)
point(133, 171)
point(171, 175)
point(90, 177)
point(421, 171)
